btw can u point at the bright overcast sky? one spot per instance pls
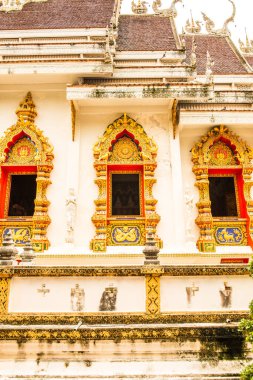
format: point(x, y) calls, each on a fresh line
point(217, 10)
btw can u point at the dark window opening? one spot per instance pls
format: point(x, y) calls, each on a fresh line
point(125, 194)
point(222, 196)
point(22, 195)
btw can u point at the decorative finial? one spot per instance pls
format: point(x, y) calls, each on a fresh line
point(192, 26)
point(16, 5)
point(26, 110)
point(210, 25)
point(28, 253)
point(229, 19)
point(209, 71)
point(8, 251)
point(140, 8)
point(193, 53)
point(224, 30)
point(171, 11)
point(151, 251)
point(246, 47)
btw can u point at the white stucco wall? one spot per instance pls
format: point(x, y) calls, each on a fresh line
point(207, 298)
point(24, 295)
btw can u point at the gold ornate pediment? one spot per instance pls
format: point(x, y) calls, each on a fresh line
point(104, 148)
point(25, 129)
point(203, 151)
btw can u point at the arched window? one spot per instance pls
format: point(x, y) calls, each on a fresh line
point(25, 162)
point(222, 165)
point(125, 162)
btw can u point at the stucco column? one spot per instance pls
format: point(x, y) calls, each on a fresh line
point(177, 196)
point(72, 180)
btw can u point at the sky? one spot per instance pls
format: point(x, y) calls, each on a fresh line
point(217, 10)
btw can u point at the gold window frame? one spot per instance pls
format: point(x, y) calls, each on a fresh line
point(140, 173)
point(202, 166)
point(8, 194)
point(236, 197)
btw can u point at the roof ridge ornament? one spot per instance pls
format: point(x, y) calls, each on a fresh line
point(210, 25)
point(16, 5)
point(246, 47)
point(140, 8)
point(192, 26)
point(209, 71)
point(171, 11)
point(26, 110)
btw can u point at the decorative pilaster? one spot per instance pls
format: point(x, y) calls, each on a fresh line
point(176, 175)
point(152, 294)
point(99, 218)
point(153, 298)
point(41, 220)
point(248, 183)
point(152, 218)
point(204, 220)
point(4, 294)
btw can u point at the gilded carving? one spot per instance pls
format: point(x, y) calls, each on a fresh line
point(221, 148)
point(4, 294)
point(232, 235)
point(118, 332)
point(134, 271)
point(121, 318)
point(24, 144)
point(124, 142)
point(152, 294)
point(20, 235)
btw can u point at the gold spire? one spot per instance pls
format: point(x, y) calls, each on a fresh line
point(246, 47)
point(26, 110)
point(192, 26)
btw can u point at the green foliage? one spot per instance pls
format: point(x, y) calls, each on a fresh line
point(246, 327)
point(247, 373)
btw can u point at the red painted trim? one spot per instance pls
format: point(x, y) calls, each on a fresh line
point(14, 140)
point(5, 171)
point(128, 134)
point(120, 168)
point(242, 203)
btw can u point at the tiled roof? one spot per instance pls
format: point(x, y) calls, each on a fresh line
point(145, 33)
point(249, 59)
point(59, 14)
point(224, 57)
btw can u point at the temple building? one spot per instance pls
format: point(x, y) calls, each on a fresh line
point(126, 216)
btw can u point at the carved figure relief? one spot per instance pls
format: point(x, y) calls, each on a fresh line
point(77, 298)
point(43, 290)
point(189, 210)
point(190, 291)
point(226, 295)
point(108, 299)
point(71, 205)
